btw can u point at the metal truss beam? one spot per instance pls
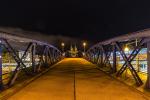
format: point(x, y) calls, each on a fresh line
point(148, 66)
point(131, 57)
point(114, 69)
point(1, 79)
point(106, 56)
point(12, 51)
point(49, 55)
point(129, 65)
point(16, 71)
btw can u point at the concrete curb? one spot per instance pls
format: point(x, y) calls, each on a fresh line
point(121, 81)
point(12, 90)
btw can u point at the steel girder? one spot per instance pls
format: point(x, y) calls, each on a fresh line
point(16, 71)
point(47, 55)
point(148, 64)
point(94, 55)
point(129, 65)
point(104, 54)
point(98, 56)
point(114, 67)
point(1, 79)
point(131, 57)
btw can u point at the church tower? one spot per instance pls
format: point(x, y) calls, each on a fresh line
point(73, 51)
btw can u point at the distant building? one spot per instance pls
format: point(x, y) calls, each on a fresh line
point(73, 52)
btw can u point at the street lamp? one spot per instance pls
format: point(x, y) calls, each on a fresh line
point(62, 45)
point(84, 45)
point(126, 49)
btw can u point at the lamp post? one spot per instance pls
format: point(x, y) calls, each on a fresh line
point(62, 45)
point(84, 45)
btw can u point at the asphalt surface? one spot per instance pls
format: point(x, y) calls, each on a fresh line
point(76, 79)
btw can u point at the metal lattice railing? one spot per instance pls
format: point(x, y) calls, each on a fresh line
point(36, 57)
point(106, 56)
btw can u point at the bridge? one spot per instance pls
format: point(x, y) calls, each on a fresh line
point(110, 70)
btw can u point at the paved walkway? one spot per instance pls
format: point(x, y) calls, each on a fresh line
point(76, 79)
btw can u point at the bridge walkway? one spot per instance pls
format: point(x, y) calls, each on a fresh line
point(76, 79)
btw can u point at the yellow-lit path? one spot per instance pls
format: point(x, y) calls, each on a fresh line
point(76, 79)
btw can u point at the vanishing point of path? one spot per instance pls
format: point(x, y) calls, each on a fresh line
point(76, 79)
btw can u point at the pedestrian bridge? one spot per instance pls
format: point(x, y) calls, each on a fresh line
point(76, 79)
point(125, 57)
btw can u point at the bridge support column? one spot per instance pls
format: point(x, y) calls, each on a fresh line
point(148, 66)
point(1, 80)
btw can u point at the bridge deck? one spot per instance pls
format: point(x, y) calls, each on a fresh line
point(76, 79)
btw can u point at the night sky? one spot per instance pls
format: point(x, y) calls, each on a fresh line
point(93, 20)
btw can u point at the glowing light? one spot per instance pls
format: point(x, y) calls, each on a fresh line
point(62, 44)
point(84, 44)
point(126, 49)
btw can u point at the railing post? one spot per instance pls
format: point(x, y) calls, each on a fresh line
point(114, 59)
point(1, 80)
point(54, 56)
point(101, 61)
point(148, 66)
point(98, 56)
point(33, 57)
